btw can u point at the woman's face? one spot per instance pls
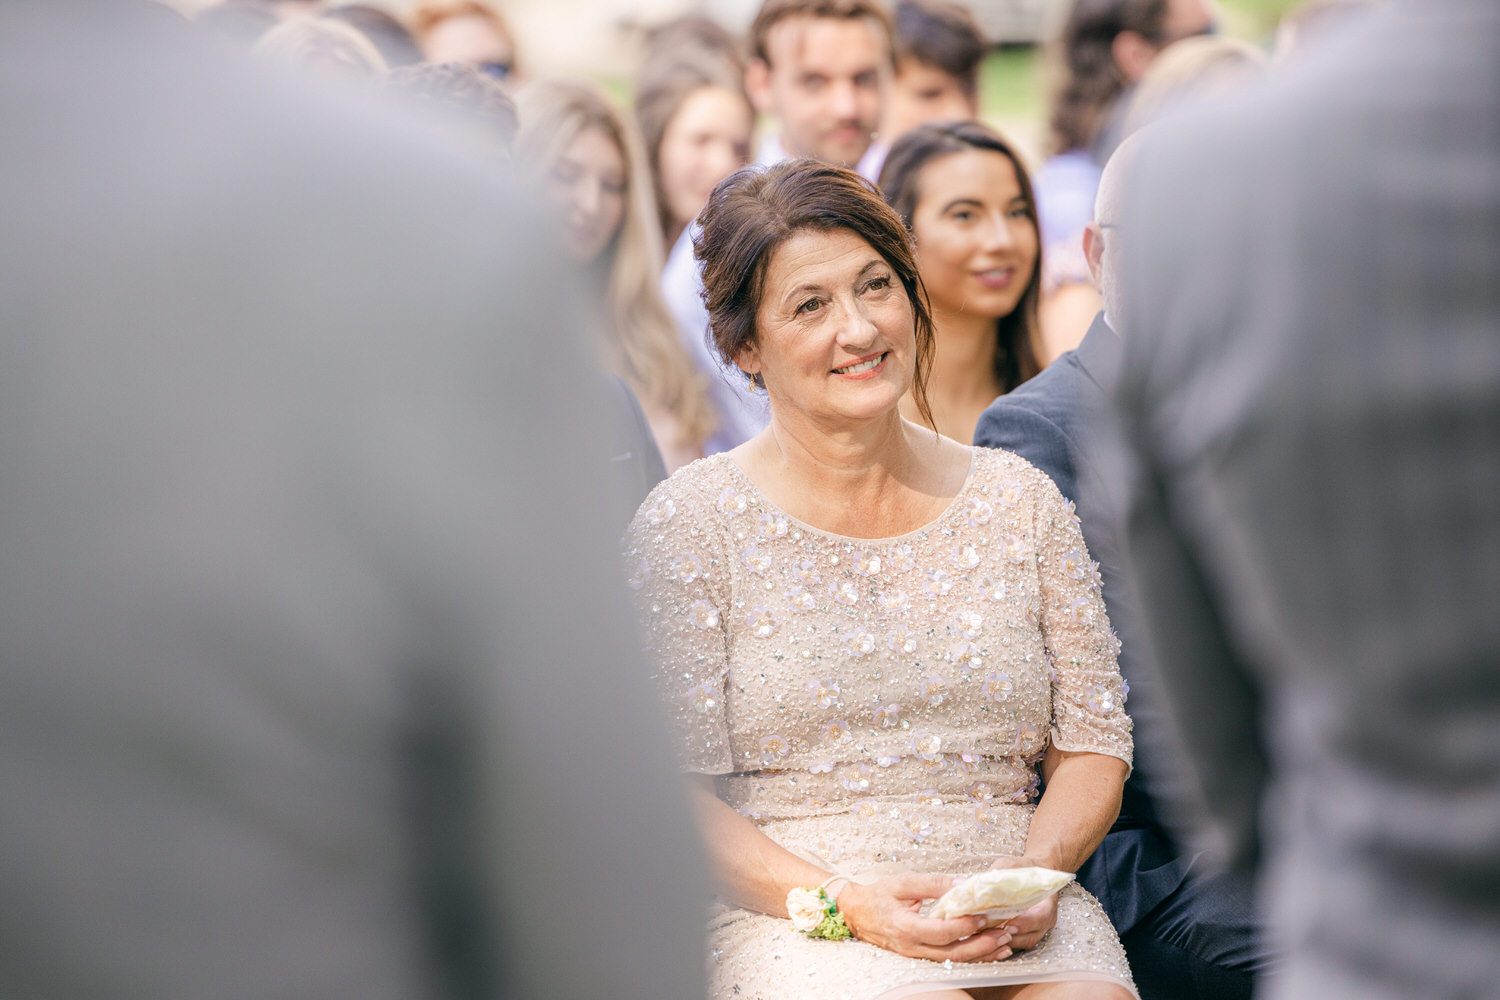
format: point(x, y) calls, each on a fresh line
point(835, 332)
point(588, 183)
point(975, 232)
point(705, 141)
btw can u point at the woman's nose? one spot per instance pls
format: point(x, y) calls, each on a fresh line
point(587, 197)
point(856, 328)
point(998, 234)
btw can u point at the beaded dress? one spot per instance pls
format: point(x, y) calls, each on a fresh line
point(879, 705)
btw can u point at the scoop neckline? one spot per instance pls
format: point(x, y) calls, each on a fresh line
point(930, 526)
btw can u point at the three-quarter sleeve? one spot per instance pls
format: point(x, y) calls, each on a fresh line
point(676, 567)
point(1088, 693)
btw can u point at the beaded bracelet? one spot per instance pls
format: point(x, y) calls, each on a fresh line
point(816, 914)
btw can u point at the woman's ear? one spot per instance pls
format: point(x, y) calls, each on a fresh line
point(747, 359)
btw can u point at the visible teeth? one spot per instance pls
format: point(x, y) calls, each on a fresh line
point(863, 366)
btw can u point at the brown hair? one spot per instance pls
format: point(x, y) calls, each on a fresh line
point(1090, 81)
point(663, 89)
point(463, 94)
point(773, 12)
point(943, 35)
point(753, 212)
point(900, 179)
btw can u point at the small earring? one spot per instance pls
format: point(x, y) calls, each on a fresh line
point(754, 385)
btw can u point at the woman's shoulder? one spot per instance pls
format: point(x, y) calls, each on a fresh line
point(688, 496)
point(1015, 479)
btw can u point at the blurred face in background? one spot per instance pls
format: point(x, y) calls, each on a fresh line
point(473, 40)
point(705, 141)
point(588, 186)
point(923, 93)
point(975, 233)
point(826, 82)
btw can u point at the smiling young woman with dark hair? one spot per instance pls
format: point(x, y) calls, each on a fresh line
point(874, 639)
point(965, 197)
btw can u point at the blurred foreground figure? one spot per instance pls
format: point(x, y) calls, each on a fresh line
point(313, 681)
point(1312, 384)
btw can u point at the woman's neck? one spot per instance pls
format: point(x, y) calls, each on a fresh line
point(879, 478)
point(962, 379)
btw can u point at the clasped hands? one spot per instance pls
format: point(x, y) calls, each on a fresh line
point(886, 913)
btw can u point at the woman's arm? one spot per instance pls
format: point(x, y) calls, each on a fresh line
point(757, 873)
point(1077, 809)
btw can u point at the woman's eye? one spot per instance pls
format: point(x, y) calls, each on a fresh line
point(811, 305)
point(964, 215)
point(878, 284)
point(1020, 212)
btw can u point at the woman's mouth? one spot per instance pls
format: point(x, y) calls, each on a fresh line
point(869, 365)
point(996, 277)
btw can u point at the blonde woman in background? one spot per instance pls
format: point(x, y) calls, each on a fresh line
point(591, 165)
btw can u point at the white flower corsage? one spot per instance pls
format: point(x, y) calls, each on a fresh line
point(815, 914)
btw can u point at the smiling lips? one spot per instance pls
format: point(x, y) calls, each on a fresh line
point(867, 368)
point(996, 277)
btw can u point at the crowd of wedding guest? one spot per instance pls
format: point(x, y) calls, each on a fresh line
point(766, 225)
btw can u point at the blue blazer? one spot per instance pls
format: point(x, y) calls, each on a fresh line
point(1056, 421)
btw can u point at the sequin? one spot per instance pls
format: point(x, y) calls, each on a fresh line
point(772, 525)
point(661, 512)
point(762, 622)
point(638, 577)
point(703, 615)
point(894, 599)
point(933, 690)
point(927, 745)
point(964, 557)
point(801, 600)
point(704, 698)
point(997, 686)
point(994, 588)
point(837, 733)
point(860, 644)
point(773, 749)
point(866, 563)
point(756, 559)
point(1100, 700)
point(1014, 547)
point(806, 571)
point(1075, 565)
point(901, 640)
point(733, 502)
point(966, 655)
point(967, 623)
point(824, 692)
point(938, 583)
point(979, 511)
point(846, 592)
point(855, 777)
point(903, 559)
point(686, 568)
point(886, 715)
point(918, 826)
point(928, 797)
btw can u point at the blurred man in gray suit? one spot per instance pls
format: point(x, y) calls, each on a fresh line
point(314, 681)
point(1312, 387)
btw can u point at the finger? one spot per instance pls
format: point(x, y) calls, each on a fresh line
point(936, 931)
point(920, 885)
point(980, 948)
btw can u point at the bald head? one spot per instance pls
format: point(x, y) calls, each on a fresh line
point(1101, 233)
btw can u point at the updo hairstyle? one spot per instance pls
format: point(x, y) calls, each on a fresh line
point(752, 212)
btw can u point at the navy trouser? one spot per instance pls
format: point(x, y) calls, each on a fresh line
point(1200, 942)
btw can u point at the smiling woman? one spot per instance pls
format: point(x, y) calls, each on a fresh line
point(874, 640)
point(967, 200)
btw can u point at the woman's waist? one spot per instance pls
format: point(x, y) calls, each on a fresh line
point(854, 787)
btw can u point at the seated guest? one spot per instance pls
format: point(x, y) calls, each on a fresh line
point(822, 68)
point(965, 197)
point(1187, 935)
point(696, 122)
point(938, 52)
point(875, 639)
point(590, 163)
point(466, 31)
